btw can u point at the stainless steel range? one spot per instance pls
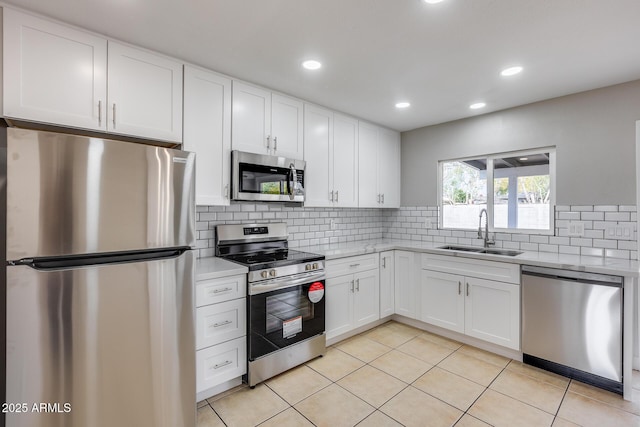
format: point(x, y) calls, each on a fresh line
point(285, 301)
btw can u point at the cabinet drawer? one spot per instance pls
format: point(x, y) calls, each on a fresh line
point(219, 290)
point(354, 264)
point(220, 363)
point(491, 270)
point(220, 322)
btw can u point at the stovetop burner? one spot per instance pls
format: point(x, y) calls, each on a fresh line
point(262, 260)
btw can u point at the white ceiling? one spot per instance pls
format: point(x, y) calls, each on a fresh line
point(439, 57)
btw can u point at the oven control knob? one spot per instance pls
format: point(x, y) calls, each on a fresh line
point(272, 273)
point(315, 265)
point(264, 274)
point(307, 267)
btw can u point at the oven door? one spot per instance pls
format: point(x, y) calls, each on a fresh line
point(284, 316)
point(258, 177)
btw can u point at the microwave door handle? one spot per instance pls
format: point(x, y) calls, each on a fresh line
point(294, 180)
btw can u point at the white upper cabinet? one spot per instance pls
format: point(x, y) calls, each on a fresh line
point(318, 143)
point(266, 123)
point(379, 167)
point(286, 126)
point(368, 194)
point(389, 168)
point(251, 120)
point(207, 132)
point(53, 73)
point(59, 75)
point(331, 153)
point(345, 161)
point(145, 94)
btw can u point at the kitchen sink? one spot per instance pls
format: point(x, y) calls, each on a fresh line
point(489, 251)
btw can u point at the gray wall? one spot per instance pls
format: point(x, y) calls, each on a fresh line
point(594, 135)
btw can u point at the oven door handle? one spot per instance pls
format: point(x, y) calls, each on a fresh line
point(284, 283)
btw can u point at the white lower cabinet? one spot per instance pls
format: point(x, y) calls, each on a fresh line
point(492, 312)
point(221, 343)
point(406, 284)
point(220, 363)
point(485, 309)
point(353, 299)
point(387, 284)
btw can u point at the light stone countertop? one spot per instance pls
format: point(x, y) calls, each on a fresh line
point(613, 266)
point(214, 268)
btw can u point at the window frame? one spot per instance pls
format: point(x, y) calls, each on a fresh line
point(490, 190)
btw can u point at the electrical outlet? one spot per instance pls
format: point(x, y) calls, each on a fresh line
point(619, 232)
point(576, 229)
point(332, 224)
point(428, 223)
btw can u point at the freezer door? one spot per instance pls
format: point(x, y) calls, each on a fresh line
point(102, 346)
point(69, 194)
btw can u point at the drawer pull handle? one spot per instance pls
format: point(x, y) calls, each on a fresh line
point(220, 365)
point(354, 265)
point(226, 322)
point(467, 289)
point(459, 287)
point(352, 286)
point(217, 291)
point(358, 285)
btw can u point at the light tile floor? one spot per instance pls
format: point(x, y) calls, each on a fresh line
point(397, 375)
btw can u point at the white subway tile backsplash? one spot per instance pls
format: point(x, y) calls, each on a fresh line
point(591, 252)
point(312, 226)
point(570, 250)
point(617, 216)
point(605, 208)
point(615, 253)
point(569, 215)
point(592, 216)
point(577, 208)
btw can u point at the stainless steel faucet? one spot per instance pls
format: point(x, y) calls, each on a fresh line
point(487, 242)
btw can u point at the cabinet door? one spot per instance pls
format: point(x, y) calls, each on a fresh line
point(207, 132)
point(318, 131)
point(442, 300)
point(345, 161)
point(251, 120)
point(368, 194)
point(145, 94)
point(286, 126)
point(389, 168)
point(366, 301)
point(405, 284)
point(387, 280)
point(339, 305)
point(492, 312)
point(53, 73)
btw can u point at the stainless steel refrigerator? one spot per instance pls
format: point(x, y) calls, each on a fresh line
point(99, 282)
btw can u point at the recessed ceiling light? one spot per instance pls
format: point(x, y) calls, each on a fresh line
point(522, 159)
point(433, 1)
point(403, 105)
point(511, 71)
point(477, 105)
point(311, 64)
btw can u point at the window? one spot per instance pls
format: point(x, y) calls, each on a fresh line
point(516, 189)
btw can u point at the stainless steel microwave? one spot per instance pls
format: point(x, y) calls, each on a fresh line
point(258, 177)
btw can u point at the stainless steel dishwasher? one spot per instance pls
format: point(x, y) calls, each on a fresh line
point(572, 324)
